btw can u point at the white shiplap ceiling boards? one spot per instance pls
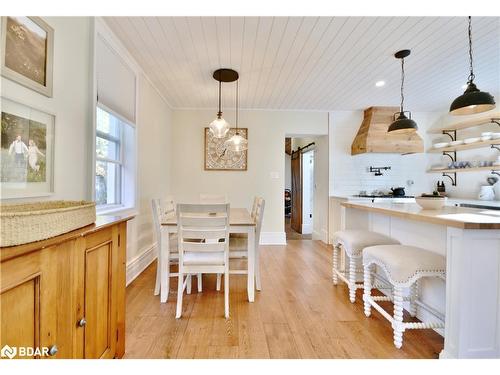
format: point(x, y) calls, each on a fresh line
point(312, 63)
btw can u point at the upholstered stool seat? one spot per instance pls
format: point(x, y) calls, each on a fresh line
point(353, 241)
point(403, 266)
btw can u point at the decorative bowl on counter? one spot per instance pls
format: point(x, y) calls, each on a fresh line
point(431, 202)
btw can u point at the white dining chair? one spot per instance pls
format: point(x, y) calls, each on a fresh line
point(203, 242)
point(163, 209)
point(206, 198)
point(213, 198)
point(238, 246)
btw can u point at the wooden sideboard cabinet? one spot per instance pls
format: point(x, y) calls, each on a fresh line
point(67, 293)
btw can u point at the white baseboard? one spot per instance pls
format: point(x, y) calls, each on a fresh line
point(307, 228)
point(321, 236)
point(273, 238)
point(136, 265)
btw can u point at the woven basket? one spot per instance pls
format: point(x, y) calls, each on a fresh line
point(29, 222)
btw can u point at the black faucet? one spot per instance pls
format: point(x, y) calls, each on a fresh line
point(377, 170)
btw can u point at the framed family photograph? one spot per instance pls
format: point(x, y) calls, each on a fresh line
point(219, 158)
point(27, 151)
point(27, 49)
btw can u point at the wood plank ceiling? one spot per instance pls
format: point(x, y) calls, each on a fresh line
point(312, 63)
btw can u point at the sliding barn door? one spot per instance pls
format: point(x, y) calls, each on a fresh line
point(296, 219)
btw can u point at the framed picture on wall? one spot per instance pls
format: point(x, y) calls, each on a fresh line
point(219, 158)
point(27, 49)
point(27, 151)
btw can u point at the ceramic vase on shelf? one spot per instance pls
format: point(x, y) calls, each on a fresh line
point(486, 193)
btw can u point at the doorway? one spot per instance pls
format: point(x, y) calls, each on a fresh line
point(299, 188)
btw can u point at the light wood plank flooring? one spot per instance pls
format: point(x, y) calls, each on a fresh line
point(298, 314)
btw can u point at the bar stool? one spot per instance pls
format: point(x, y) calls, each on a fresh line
point(403, 266)
point(353, 242)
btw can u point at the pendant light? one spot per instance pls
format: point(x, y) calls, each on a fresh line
point(219, 127)
point(237, 143)
point(472, 100)
point(402, 123)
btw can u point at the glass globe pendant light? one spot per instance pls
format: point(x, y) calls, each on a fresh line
point(472, 100)
point(402, 123)
point(237, 143)
point(219, 127)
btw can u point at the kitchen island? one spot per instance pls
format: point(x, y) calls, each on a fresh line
point(470, 240)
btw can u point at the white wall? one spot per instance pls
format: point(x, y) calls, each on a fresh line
point(154, 161)
point(321, 173)
point(71, 103)
point(266, 166)
point(349, 174)
point(307, 191)
point(288, 172)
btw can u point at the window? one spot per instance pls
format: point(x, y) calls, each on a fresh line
point(111, 167)
point(115, 178)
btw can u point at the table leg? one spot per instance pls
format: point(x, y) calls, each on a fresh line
point(258, 285)
point(165, 267)
point(251, 264)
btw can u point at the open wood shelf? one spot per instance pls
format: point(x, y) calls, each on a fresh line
point(483, 120)
point(469, 146)
point(460, 170)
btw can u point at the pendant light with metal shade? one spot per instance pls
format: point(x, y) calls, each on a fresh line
point(472, 100)
point(237, 143)
point(219, 127)
point(402, 123)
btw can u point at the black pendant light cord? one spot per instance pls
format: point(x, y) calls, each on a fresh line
point(402, 84)
point(219, 114)
point(237, 104)
point(471, 75)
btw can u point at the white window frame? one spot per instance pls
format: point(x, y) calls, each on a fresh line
point(129, 197)
point(119, 161)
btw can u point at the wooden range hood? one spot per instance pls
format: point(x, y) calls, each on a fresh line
point(373, 137)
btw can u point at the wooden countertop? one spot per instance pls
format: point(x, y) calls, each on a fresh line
point(458, 217)
point(102, 221)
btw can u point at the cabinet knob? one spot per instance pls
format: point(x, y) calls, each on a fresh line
point(53, 350)
point(82, 322)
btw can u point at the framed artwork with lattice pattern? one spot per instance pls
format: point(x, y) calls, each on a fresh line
point(219, 158)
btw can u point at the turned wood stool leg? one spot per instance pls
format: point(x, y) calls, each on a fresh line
point(413, 299)
point(200, 283)
point(367, 289)
point(188, 287)
point(335, 263)
point(352, 279)
point(397, 325)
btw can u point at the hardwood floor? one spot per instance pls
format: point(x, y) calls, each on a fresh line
point(298, 314)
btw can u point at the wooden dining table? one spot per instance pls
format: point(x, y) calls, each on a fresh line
point(240, 221)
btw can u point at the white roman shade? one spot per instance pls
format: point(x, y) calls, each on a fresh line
point(116, 82)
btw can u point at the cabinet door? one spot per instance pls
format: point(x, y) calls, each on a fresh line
point(100, 266)
point(27, 300)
